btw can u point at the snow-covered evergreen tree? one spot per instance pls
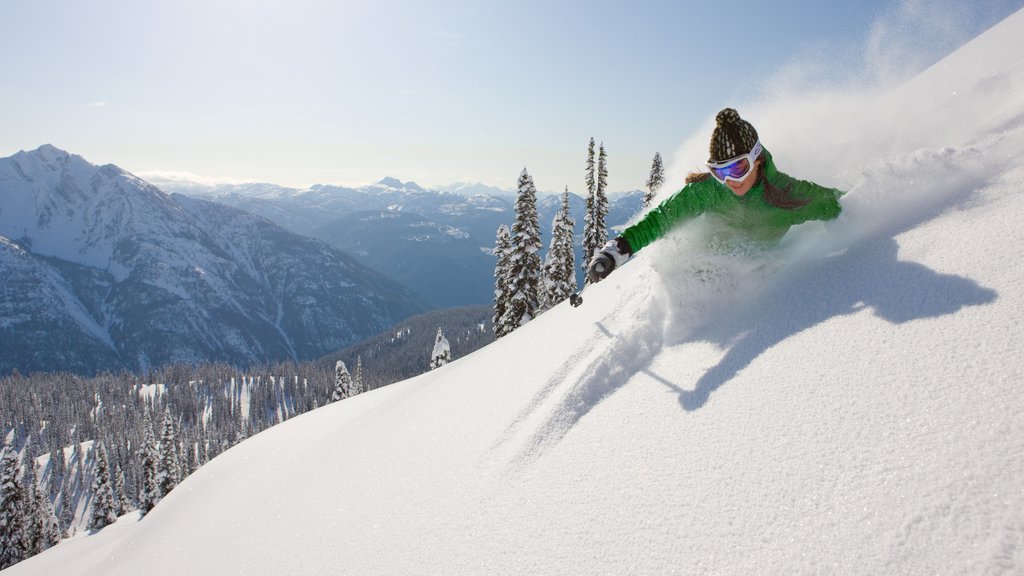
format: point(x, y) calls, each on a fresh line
point(357, 378)
point(12, 508)
point(655, 180)
point(67, 508)
point(33, 526)
point(590, 246)
point(149, 457)
point(58, 468)
point(168, 471)
point(560, 263)
point(50, 532)
point(601, 200)
point(183, 470)
point(121, 505)
point(342, 382)
point(525, 264)
point(41, 530)
point(102, 492)
point(442, 353)
point(502, 296)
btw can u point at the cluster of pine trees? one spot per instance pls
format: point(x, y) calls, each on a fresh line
point(523, 286)
point(80, 452)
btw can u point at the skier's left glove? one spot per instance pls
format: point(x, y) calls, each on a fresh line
point(614, 254)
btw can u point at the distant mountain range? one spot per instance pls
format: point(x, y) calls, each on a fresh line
point(100, 270)
point(437, 242)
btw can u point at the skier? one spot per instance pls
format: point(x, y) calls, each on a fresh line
point(755, 203)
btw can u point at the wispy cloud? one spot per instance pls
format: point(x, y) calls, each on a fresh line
point(185, 179)
point(98, 104)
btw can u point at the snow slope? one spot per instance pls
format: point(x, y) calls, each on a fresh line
point(848, 404)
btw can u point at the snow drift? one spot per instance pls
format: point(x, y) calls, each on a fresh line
point(847, 404)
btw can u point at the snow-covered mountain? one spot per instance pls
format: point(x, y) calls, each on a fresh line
point(848, 404)
point(102, 271)
point(436, 241)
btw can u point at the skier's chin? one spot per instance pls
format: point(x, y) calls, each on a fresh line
point(739, 188)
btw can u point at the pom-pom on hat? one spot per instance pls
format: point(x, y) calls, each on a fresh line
point(733, 136)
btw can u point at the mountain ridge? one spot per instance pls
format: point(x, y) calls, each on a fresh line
point(112, 263)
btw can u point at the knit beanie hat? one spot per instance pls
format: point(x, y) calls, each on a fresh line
point(732, 137)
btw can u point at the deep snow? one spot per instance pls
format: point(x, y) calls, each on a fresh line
point(848, 404)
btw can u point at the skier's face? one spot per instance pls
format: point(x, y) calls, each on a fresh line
point(743, 186)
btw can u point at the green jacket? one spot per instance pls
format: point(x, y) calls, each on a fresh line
point(747, 219)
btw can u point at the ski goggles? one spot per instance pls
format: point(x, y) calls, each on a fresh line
point(735, 169)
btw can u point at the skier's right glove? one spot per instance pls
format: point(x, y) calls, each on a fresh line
point(612, 255)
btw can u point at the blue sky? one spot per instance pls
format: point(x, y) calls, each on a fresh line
point(299, 92)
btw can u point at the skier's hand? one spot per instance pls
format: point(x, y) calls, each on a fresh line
point(612, 255)
point(601, 265)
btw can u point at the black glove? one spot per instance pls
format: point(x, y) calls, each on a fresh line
point(612, 255)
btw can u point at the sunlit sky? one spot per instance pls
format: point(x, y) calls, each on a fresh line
point(299, 92)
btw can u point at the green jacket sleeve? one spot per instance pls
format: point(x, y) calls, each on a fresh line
point(692, 201)
point(822, 202)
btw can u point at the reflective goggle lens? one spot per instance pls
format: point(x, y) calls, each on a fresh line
point(736, 170)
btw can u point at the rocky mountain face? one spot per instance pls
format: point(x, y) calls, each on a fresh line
point(437, 242)
point(100, 270)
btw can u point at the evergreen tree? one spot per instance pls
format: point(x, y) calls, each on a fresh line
point(102, 492)
point(121, 505)
point(12, 520)
point(442, 353)
point(49, 526)
point(502, 296)
point(357, 379)
point(58, 469)
point(67, 508)
point(590, 246)
point(41, 530)
point(33, 526)
point(342, 382)
point(183, 470)
point(149, 459)
point(525, 265)
point(655, 180)
point(601, 200)
point(169, 471)
point(560, 263)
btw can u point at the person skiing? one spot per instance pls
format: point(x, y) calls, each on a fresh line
point(754, 203)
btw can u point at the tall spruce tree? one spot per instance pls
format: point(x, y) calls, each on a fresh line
point(67, 508)
point(502, 271)
point(525, 265)
point(655, 180)
point(12, 505)
point(590, 245)
point(560, 263)
point(169, 471)
point(121, 505)
point(41, 530)
point(357, 378)
point(149, 460)
point(33, 526)
point(49, 526)
point(601, 200)
point(102, 514)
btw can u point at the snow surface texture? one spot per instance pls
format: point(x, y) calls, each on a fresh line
point(848, 404)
